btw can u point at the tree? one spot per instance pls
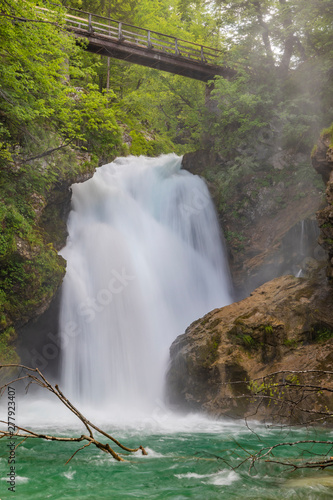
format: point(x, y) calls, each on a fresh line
point(40, 64)
point(284, 32)
point(282, 51)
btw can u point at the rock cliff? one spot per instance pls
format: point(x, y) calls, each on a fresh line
point(322, 161)
point(262, 210)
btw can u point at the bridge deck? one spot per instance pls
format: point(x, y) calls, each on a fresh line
point(115, 39)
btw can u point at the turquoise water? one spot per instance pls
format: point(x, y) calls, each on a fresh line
point(187, 458)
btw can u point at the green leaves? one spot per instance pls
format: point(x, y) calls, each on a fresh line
point(32, 55)
point(40, 66)
point(240, 112)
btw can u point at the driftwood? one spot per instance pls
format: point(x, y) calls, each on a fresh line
point(34, 376)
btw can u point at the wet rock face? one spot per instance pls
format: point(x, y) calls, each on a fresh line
point(285, 324)
point(322, 161)
point(322, 158)
point(261, 213)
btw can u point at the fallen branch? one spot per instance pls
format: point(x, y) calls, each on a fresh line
point(34, 376)
point(264, 454)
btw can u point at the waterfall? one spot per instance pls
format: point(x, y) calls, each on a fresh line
point(302, 242)
point(144, 260)
point(300, 246)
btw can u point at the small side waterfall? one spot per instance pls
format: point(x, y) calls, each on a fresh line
point(300, 245)
point(145, 259)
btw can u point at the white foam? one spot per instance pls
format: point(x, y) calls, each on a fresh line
point(52, 416)
point(151, 454)
point(222, 478)
point(18, 479)
point(69, 474)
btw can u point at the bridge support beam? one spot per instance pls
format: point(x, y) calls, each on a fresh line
point(154, 59)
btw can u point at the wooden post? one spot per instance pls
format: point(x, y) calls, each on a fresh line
point(90, 28)
point(176, 47)
point(108, 76)
point(149, 40)
point(108, 61)
point(202, 54)
point(120, 36)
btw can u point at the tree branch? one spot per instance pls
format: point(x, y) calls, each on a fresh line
point(34, 375)
point(46, 153)
point(289, 40)
point(184, 99)
point(25, 20)
point(290, 400)
point(265, 33)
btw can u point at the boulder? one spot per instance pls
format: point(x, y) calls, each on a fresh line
point(286, 324)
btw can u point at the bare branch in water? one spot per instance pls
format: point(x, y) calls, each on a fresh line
point(35, 376)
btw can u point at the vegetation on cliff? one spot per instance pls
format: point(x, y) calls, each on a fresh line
point(43, 117)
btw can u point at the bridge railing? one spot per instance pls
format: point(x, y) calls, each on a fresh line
point(107, 28)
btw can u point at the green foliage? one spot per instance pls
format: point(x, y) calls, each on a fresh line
point(31, 73)
point(282, 52)
point(293, 343)
point(326, 132)
point(248, 340)
point(236, 240)
point(322, 333)
point(209, 353)
point(151, 103)
point(30, 270)
point(241, 112)
point(40, 65)
point(93, 122)
point(139, 144)
point(7, 349)
point(116, 9)
point(293, 379)
point(166, 107)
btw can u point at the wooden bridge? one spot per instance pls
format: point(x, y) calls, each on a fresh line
point(115, 39)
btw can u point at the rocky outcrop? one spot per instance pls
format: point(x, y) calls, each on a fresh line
point(322, 156)
point(53, 217)
point(322, 161)
point(286, 324)
point(41, 324)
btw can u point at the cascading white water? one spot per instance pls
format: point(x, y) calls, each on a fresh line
point(144, 260)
